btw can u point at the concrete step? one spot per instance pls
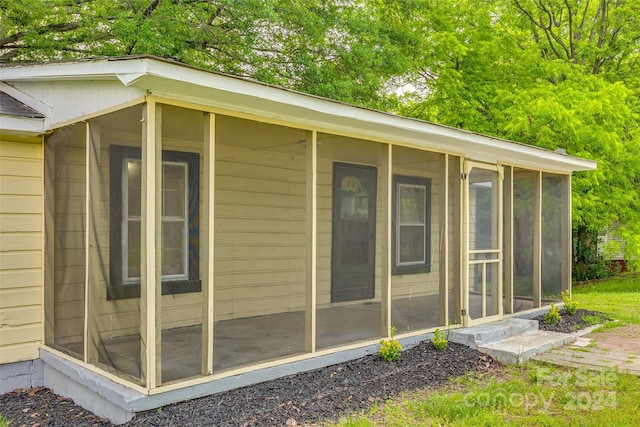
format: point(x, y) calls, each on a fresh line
point(480, 335)
point(520, 348)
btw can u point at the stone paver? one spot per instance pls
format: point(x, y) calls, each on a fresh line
point(581, 355)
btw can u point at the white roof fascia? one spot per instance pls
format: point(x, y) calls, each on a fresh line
point(480, 147)
point(22, 126)
point(179, 81)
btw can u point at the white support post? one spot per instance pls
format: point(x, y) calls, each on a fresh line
point(567, 262)
point(497, 295)
point(151, 284)
point(459, 227)
point(464, 265)
point(92, 253)
point(312, 242)
point(209, 236)
point(444, 240)
point(537, 240)
point(385, 279)
point(508, 240)
point(48, 244)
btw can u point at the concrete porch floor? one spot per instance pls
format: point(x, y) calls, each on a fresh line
point(252, 340)
point(246, 341)
point(181, 351)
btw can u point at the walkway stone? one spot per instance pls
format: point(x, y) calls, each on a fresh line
point(579, 355)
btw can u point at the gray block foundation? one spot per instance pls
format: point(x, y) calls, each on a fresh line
point(119, 403)
point(19, 375)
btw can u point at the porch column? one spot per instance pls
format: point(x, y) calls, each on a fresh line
point(48, 186)
point(312, 240)
point(385, 275)
point(151, 236)
point(92, 254)
point(458, 193)
point(508, 239)
point(567, 261)
point(444, 240)
point(537, 240)
point(209, 247)
point(464, 244)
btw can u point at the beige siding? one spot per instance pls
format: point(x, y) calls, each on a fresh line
point(260, 232)
point(413, 285)
point(114, 317)
point(20, 249)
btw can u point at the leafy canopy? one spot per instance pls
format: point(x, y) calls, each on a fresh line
point(555, 74)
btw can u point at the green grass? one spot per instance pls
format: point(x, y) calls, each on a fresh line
point(4, 422)
point(619, 297)
point(533, 394)
point(529, 395)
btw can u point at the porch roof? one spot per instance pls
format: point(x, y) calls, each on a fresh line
point(65, 92)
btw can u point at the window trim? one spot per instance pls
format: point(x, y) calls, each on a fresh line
point(412, 268)
point(117, 288)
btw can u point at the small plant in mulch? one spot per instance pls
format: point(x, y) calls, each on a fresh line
point(439, 341)
point(570, 306)
point(390, 349)
point(553, 316)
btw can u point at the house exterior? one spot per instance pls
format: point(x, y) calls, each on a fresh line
point(168, 232)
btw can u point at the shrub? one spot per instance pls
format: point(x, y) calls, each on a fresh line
point(570, 306)
point(439, 341)
point(553, 316)
point(390, 349)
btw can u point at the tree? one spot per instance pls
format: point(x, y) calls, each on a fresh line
point(555, 74)
point(342, 50)
point(552, 74)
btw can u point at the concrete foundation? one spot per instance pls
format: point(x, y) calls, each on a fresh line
point(19, 375)
point(119, 403)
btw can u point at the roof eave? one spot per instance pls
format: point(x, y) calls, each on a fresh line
point(22, 126)
point(199, 86)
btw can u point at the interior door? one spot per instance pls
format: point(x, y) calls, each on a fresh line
point(353, 232)
point(483, 240)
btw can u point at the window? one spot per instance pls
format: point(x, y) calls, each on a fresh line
point(411, 225)
point(179, 217)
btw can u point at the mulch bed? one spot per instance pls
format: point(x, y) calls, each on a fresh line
point(570, 323)
point(304, 399)
point(324, 394)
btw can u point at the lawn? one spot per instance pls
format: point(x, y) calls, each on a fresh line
point(619, 297)
point(533, 394)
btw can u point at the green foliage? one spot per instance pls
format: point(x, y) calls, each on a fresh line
point(553, 316)
point(4, 421)
point(390, 349)
point(546, 73)
point(589, 264)
point(592, 319)
point(570, 306)
point(439, 341)
point(496, 67)
point(342, 50)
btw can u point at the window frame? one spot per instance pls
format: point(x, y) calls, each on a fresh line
point(398, 269)
point(118, 288)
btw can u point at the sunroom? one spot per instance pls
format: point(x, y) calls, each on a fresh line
point(200, 227)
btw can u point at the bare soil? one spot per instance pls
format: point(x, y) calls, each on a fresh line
point(304, 399)
point(625, 339)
